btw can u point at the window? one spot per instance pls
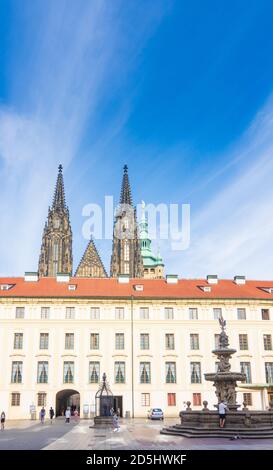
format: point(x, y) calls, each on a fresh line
point(168, 313)
point(119, 313)
point(119, 372)
point(196, 399)
point(41, 399)
point(144, 313)
point(246, 369)
point(45, 313)
point(55, 257)
point(194, 341)
point(267, 342)
point(193, 313)
point(94, 341)
point(44, 340)
point(217, 312)
point(126, 250)
point(169, 340)
point(241, 313)
point(69, 340)
point(145, 372)
point(195, 372)
point(16, 372)
point(145, 399)
point(119, 340)
point(18, 340)
point(247, 399)
point(72, 286)
point(144, 341)
point(42, 375)
point(70, 313)
point(68, 372)
point(95, 313)
point(269, 372)
point(15, 399)
point(243, 342)
point(171, 399)
point(217, 341)
point(94, 372)
point(20, 312)
point(170, 370)
point(265, 314)
point(126, 268)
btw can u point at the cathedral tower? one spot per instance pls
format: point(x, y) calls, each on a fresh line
point(56, 249)
point(126, 251)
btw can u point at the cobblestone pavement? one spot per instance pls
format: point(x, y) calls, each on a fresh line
point(138, 434)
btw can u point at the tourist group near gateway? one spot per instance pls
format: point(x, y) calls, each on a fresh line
point(151, 334)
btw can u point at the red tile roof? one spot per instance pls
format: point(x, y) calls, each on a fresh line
point(152, 288)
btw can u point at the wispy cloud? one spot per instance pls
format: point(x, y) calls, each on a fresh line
point(232, 232)
point(78, 54)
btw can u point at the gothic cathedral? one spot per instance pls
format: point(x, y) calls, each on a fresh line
point(130, 252)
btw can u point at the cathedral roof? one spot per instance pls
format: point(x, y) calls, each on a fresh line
point(48, 287)
point(91, 261)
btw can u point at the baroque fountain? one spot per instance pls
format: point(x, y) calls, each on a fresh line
point(242, 423)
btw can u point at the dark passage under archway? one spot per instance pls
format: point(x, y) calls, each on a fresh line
point(67, 398)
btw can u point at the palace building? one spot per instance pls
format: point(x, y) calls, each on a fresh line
point(152, 335)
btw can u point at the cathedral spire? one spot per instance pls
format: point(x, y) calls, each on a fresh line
point(59, 195)
point(56, 250)
point(126, 249)
point(125, 194)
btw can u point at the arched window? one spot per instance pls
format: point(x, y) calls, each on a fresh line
point(126, 250)
point(55, 257)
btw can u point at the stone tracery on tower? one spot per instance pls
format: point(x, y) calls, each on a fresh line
point(131, 252)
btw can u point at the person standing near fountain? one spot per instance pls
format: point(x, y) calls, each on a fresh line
point(222, 407)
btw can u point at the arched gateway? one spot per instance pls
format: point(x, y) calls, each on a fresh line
point(67, 398)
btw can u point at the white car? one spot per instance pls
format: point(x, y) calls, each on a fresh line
point(155, 413)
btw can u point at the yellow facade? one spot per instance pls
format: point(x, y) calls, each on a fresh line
point(157, 326)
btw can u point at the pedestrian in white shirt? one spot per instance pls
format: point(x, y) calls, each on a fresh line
point(222, 408)
point(67, 415)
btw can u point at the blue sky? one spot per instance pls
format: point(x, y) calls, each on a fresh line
point(181, 91)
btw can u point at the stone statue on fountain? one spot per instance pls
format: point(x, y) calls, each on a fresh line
point(225, 380)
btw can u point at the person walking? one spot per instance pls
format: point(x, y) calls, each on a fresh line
point(222, 408)
point(51, 414)
point(67, 415)
point(42, 415)
point(116, 424)
point(3, 419)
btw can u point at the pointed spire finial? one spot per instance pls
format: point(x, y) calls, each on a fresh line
point(59, 196)
point(125, 195)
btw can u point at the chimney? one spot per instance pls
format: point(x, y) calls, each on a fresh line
point(239, 280)
point(172, 278)
point(212, 279)
point(31, 277)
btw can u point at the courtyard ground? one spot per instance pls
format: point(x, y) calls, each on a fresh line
point(137, 434)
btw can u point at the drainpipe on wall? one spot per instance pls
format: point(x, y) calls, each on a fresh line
point(132, 356)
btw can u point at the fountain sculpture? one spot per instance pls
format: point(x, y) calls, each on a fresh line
point(244, 423)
